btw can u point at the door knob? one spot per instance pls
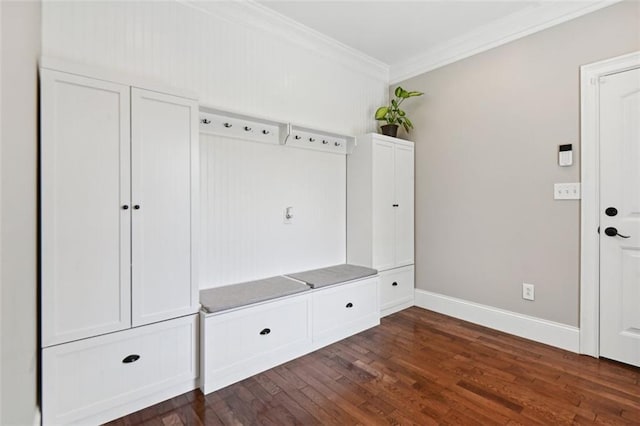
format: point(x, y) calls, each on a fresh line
point(612, 232)
point(611, 211)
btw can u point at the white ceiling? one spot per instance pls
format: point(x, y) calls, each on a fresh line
point(414, 36)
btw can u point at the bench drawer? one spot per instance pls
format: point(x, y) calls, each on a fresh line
point(343, 310)
point(243, 342)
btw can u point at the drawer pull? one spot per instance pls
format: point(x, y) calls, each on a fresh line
point(131, 358)
point(394, 284)
point(265, 331)
point(349, 305)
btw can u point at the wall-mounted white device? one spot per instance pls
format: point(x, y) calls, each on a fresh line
point(565, 155)
point(288, 215)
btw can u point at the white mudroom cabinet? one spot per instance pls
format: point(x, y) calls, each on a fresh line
point(118, 187)
point(380, 215)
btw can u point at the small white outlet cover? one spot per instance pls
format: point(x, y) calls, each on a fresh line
point(528, 291)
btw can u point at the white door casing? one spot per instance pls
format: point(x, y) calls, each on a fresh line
point(591, 208)
point(84, 186)
point(620, 189)
point(164, 181)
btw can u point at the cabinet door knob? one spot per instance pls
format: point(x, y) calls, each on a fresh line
point(265, 332)
point(394, 284)
point(136, 207)
point(130, 358)
point(125, 207)
point(395, 205)
point(349, 305)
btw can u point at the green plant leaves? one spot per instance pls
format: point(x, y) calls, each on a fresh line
point(381, 113)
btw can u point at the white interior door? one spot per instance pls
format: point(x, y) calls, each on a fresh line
point(620, 190)
point(383, 201)
point(404, 179)
point(84, 189)
point(164, 140)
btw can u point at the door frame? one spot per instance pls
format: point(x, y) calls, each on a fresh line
point(590, 209)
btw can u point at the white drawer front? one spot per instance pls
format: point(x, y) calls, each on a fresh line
point(396, 289)
point(344, 310)
point(82, 380)
point(240, 343)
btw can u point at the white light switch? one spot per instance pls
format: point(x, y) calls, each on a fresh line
point(566, 191)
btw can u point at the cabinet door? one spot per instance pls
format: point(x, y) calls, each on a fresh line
point(164, 180)
point(404, 185)
point(383, 201)
point(84, 186)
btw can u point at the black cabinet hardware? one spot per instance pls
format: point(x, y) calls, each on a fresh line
point(349, 305)
point(130, 358)
point(125, 207)
point(394, 284)
point(265, 332)
point(611, 211)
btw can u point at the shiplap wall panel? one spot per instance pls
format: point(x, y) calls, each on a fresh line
point(227, 63)
point(240, 65)
point(245, 188)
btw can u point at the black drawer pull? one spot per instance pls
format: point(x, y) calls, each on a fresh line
point(349, 305)
point(394, 284)
point(265, 332)
point(131, 358)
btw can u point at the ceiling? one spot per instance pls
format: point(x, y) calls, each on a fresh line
point(412, 36)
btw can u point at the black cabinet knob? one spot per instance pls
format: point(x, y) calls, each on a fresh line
point(394, 284)
point(349, 305)
point(265, 331)
point(125, 207)
point(130, 358)
point(136, 207)
point(395, 205)
point(613, 232)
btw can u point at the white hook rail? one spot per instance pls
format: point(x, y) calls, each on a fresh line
point(223, 123)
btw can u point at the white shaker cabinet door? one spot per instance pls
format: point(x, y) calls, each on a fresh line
point(404, 201)
point(383, 209)
point(84, 211)
point(164, 182)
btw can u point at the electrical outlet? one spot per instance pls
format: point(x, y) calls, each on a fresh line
point(528, 291)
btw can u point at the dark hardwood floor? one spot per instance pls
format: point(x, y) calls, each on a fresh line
point(423, 368)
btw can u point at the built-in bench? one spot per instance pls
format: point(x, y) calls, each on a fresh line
point(250, 327)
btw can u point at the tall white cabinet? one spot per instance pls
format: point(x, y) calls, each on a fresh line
point(118, 274)
point(380, 215)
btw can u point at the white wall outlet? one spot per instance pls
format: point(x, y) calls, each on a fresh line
point(528, 291)
point(288, 215)
point(566, 191)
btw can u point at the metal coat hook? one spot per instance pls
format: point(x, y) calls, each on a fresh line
point(265, 132)
point(297, 137)
point(312, 140)
point(227, 125)
point(205, 121)
point(247, 128)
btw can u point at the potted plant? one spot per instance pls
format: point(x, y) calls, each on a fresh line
point(393, 115)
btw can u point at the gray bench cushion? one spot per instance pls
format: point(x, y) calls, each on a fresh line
point(236, 295)
point(333, 275)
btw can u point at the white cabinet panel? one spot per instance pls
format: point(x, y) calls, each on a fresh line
point(89, 382)
point(84, 186)
point(380, 208)
point(344, 310)
point(396, 290)
point(404, 223)
point(164, 140)
point(383, 201)
point(241, 343)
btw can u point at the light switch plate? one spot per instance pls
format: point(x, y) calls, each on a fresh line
point(566, 191)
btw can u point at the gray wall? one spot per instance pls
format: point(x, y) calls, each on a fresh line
point(487, 134)
point(20, 27)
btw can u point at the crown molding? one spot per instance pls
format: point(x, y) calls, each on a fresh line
point(255, 16)
point(538, 17)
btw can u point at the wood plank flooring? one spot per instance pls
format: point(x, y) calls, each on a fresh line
point(422, 368)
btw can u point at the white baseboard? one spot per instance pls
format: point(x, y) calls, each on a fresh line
point(548, 332)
